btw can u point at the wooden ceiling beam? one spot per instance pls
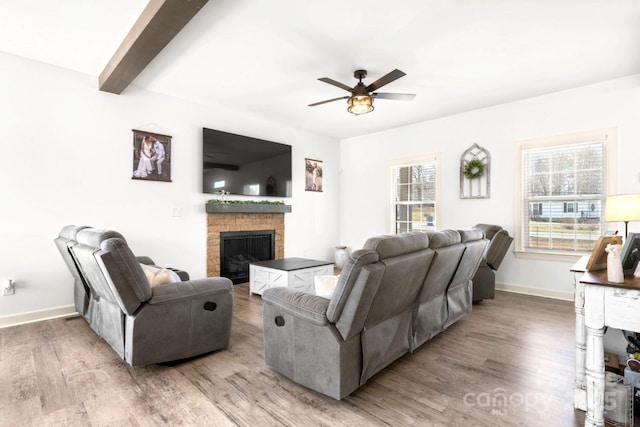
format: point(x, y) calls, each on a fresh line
point(158, 24)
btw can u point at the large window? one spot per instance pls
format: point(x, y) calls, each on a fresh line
point(414, 195)
point(562, 190)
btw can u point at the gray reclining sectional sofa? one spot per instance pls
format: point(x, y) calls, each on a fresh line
point(143, 325)
point(393, 295)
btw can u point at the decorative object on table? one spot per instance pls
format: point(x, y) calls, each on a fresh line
point(622, 208)
point(598, 257)
point(630, 254)
point(475, 176)
point(614, 264)
point(151, 156)
point(341, 255)
point(312, 175)
point(619, 395)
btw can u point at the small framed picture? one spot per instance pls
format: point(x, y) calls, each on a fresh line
point(598, 258)
point(151, 156)
point(630, 254)
point(312, 175)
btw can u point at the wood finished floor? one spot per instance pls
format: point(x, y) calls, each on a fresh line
point(508, 363)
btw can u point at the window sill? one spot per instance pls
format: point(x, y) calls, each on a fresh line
point(549, 256)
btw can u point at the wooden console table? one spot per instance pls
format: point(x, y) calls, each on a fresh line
point(605, 304)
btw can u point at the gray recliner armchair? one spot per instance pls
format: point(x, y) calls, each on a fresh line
point(484, 281)
point(143, 325)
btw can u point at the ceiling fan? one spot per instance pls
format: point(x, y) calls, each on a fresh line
point(361, 99)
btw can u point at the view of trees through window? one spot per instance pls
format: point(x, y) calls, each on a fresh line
point(414, 197)
point(564, 196)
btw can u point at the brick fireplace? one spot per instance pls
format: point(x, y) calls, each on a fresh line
point(218, 222)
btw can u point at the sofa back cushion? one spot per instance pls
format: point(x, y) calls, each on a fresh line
point(98, 273)
point(65, 239)
point(386, 332)
point(124, 274)
point(84, 252)
point(497, 249)
point(406, 258)
point(388, 246)
point(459, 292)
point(357, 282)
point(448, 251)
point(475, 245)
point(488, 229)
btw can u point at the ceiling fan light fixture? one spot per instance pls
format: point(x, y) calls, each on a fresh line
point(360, 104)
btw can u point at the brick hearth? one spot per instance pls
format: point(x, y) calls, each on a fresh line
point(218, 222)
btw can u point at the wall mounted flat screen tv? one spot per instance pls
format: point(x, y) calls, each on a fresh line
point(244, 166)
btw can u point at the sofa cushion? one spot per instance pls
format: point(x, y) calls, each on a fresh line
point(70, 232)
point(488, 229)
point(469, 235)
point(93, 237)
point(393, 245)
point(439, 239)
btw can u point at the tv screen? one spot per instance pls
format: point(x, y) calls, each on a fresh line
point(245, 166)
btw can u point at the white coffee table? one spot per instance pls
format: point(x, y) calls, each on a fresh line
point(296, 273)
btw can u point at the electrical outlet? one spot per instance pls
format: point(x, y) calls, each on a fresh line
point(8, 287)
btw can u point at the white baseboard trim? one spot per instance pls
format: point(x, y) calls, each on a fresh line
point(70, 310)
point(538, 292)
point(37, 316)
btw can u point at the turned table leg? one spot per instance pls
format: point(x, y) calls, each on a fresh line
point(580, 386)
point(595, 377)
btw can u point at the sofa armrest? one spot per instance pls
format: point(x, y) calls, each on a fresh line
point(183, 275)
point(145, 260)
point(305, 306)
point(209, 287)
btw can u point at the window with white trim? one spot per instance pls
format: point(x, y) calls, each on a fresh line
point(415, 193)
point(562, 185)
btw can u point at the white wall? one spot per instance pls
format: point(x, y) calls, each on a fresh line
point(363, 166)
point(66, 158)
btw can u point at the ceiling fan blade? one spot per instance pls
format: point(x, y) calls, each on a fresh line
point(328, 100)
point(395, 96)
point(335, 83)
point(384, 80)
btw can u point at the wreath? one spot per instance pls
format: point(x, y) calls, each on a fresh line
point(473, 169)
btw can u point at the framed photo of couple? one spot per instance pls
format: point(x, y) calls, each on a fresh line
point(151, 156)
point(312, 175)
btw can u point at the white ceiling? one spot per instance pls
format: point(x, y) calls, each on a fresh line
point(262, 58)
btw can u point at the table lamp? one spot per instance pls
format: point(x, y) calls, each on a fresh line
point(622, 208)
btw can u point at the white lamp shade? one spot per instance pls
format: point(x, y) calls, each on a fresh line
point(622, 207)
